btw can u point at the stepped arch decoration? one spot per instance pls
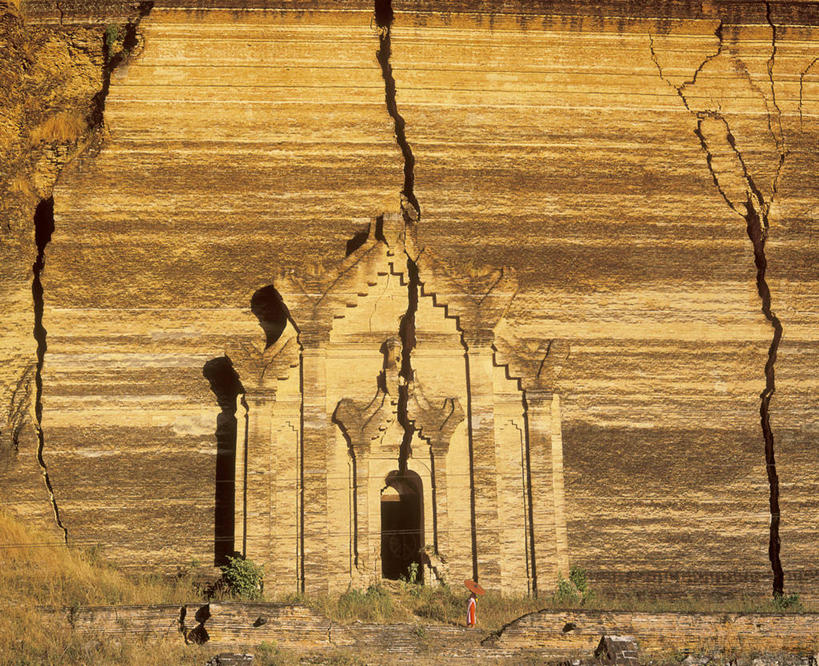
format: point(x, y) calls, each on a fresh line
point(391, 372)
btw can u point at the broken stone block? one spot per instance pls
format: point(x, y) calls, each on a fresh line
point(617, 650)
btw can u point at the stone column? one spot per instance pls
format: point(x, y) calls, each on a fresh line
point(513, 488)
point(486, 537)
point(438, 454)
point(284, 571)
point(561, 535)
point(351, 418)
point(362, 511)
point(541, 478)
point(317, 438)
point(259, 478)
point(239, 476)
point(362, 425)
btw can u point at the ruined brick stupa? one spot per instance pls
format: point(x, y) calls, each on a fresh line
point(491, 287)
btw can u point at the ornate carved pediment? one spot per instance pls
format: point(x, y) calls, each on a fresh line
point(260, 368)
point(365, 423)
point(435, 419)
point(536, 363)
point(478, 304)
point(319, 295)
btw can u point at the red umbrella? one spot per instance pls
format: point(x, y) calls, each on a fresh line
point(472, 586)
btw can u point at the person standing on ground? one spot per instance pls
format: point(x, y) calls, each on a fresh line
point(472, 610)
point(472, 604)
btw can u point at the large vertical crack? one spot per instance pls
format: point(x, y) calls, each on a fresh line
point(407, 335)
point(754, 210)
point(758, 232)
point(411, 211)
point(43, 228)
point(755, 214)
point(384, 17)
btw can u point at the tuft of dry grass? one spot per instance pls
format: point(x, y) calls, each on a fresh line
point(15, 5)
point(740, 603)
point(405, 602)
point(62, 127)
point(25, 638)
point(20, 184)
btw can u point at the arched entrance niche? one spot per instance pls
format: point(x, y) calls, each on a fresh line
point(402, 524)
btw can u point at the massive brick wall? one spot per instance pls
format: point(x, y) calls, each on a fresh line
point(556, 138)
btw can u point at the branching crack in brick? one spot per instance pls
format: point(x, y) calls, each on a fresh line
point(43, 228)
point(755, 210)
point(771, 63)
point(802, 76)
point(757, 225)
point(680, 90)
point(411, 210)
point(780, 141)
point(709, 160)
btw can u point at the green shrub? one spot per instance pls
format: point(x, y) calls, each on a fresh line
point(111, 35)
point(578, 578)
point(413, 573)
point(566, 592)
point(243, 577)
point(783, 602)
point(575, 590)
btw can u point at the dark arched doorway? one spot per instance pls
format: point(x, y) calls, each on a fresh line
point(402, 525)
